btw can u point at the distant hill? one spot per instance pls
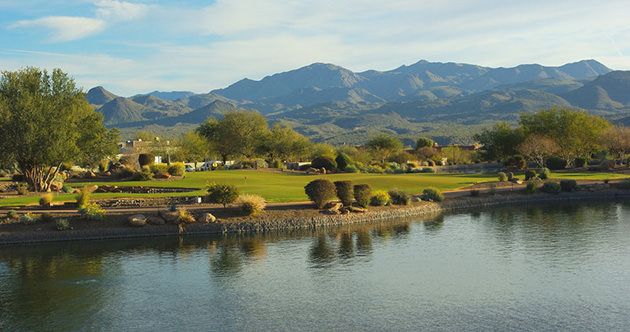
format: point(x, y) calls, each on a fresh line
point(172, 95)
point(446, 101)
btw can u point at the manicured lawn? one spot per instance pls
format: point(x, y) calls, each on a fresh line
point(289, 187)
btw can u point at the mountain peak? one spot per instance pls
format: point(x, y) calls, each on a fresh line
point(99, 96)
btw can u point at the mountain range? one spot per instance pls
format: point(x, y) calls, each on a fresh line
point(446, 101)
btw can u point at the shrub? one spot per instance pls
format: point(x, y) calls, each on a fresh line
point(379, 198)
point(83, 197)
point(277, 164)
point(544, 173)
point(351, 169)
point(475, 193)
point(251, 204)
point(324, 162)
point(569, 185)
point(158, 168)
point(320, 191)
point(177, 169)
point(46, 199)
point(18, 178)
point(517, 161)
point(551, 187)
point(362, 193)
point(103, 165)
point(556, 163)
point(428, 170)
point(432, 195)
point(510, 176)
point(502, 176)
point(63, 224)
point(144, 175)
point(124, 172)
point(22, 188)
point(579, 162)
point(532, 186)
point(67, 189)
point(343, 161)
point(529, 174)
point(12, 214)
point(46, 217)
point(146, 159)
point(398, 197)
point(27, 219)
point(344, 192)
point(185, 217)
point(3, 173)
point(92, 211)
point(222, 194)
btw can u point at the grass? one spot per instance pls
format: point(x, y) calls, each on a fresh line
point(289, 187)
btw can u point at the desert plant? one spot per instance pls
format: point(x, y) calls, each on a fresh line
point(432, 195)
point(103, 165)
point(144, 175)
point(475, 193)
point(13, 215)
point(556, 163)
point(551, 187)
point(63, 225)
point(324, 162)
point(579, 162)
point(510, 176)
point(22, 188)
point(379, 198)
point(185, 217)
point(351, 169)
point(27, 219)
point(18, 177)
point(124, 172)
point(344, 192)
point(362, 193)
point(532, 186)
point(251, 204)
point(93, 211)
point(177, 169)
point(158, 168)
point(398, 197)
point(46, 199)
point(502, 176)
point(343, 161)
point(427, 170)
point(544, 173)
point(67, 189)
point(222, 194)
point(145, 159)
point(569, 185)
point(83, 197)
point(529, 174)
point(320, 191)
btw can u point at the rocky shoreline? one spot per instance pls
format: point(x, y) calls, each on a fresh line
point(304, 218)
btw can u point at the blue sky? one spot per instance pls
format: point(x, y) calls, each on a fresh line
point(132, 47)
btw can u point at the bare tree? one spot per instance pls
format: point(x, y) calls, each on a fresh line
point(537, 148)
point(617, 141)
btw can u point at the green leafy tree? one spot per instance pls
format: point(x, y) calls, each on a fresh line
point(222, 194)
point(383, 145)
point(424, 142)
point(500, 142)
point(237, 134)
point(45, 120)
point(284, 143)
point(577, 133)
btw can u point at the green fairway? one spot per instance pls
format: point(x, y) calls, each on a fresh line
point(289, 187)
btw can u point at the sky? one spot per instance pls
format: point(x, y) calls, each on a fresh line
point(132, 47)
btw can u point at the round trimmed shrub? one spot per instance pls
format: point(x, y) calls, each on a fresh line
point(579, 162)
point(46, 199)
point(158, 168)
point(320, 191)
point(551, 187)
point(379, 198)
point(502, 176)
point(362, 193)
point(544, 173)
point(145, 159)
point(398, 197)
point(556, 163)
point(324, 162)
point(177, 169)
point(344, 192)
point(432, 195)
point(569, 185)
point(529, 174)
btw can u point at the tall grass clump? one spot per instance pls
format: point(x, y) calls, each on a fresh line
point(83, 197)
point(320, 191)
point(251, 204)
point(344, 192)
point(362, 193)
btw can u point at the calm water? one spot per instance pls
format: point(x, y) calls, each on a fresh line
point(563, 268)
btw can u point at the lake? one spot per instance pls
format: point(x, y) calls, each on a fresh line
point(545, 268)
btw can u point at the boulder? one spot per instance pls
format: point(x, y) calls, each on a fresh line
point(357, 209)
point(156, 220)
point(170, 217)
point(137, 220)
point(206, 218)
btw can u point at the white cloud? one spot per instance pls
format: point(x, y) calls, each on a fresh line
point(65, 28)
point(120, 10)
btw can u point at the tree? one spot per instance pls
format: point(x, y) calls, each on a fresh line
point(238, 133)
point(499, 142)
point(191, 146)
point(616, 140)
point(45, 120)
point(538, 148)
point(383, 145)
point(577, 133)
point(284, 143)
point(424, 142)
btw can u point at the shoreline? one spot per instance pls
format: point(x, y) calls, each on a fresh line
point(303, 218)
